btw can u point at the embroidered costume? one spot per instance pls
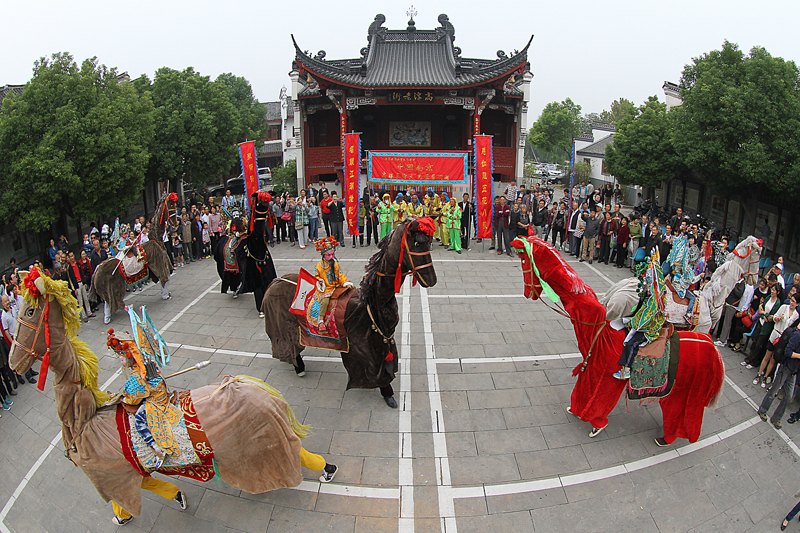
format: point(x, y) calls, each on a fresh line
point(385, 210)
point(329, 278)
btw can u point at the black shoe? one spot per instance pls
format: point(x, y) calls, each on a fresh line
point(34, 372)
point(121, 521)
point(581, 260)
point(14, 393)
point(590, 261)
point(793, 418)
point(491, 247)
point(328, 473)
point(181, 499)
point(390, 401)
point(31, 380)
point(458, 252)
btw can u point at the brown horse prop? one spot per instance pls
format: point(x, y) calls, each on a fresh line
point(700, 372)
point(371, 314)
point(253, 434)
point(108, 283)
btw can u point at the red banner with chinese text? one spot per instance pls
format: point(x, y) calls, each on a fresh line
point(247, 153)
point(423, 168)
point(484, 165)
point(352, 169)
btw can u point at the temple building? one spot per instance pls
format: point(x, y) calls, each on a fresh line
point(410, 90)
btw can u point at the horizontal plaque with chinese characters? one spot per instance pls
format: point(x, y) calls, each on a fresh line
point(422, 168)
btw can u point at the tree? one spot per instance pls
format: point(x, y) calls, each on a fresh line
point(558, 124)
point(583, 171)
point(75, 142)
point(251, 118)
point(738, 123)
point(197, 127)
point(620, 110)
point(285, 177)
point(642, 152)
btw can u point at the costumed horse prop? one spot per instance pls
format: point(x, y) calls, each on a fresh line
point(741, 263)
point(230, 256)
point(137, 262)
point(370, 316)
point(255, 261)
point(252, 439)
point(700, 369)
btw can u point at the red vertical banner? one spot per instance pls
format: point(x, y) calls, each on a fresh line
point(247, 153)
point(352, 169)
point(484, 166)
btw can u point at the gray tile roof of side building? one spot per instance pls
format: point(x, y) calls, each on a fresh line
point(8, 89)
point(273, 111)
point(597, 149)
point(412, 58)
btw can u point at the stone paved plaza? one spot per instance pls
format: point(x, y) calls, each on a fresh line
point(481, 441)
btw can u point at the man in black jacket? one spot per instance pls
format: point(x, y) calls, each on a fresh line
point(572, 227)
point(784, 380)
point(539, 219)
point(467, 215)
point(336, 217)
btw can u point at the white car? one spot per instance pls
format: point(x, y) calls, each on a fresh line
point(264, 177)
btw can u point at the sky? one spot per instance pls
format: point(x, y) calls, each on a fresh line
point(593, 52)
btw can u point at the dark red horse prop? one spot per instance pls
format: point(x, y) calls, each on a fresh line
point(700, 372)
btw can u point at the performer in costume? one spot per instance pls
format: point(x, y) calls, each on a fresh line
point(443, 214)
point(385, 210)
point(434, 211)
point(645, 326)
point(400, 207)
point(454, 225)
point(415, 208)
point(329, 277)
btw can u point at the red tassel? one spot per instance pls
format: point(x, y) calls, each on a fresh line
point(389, 358)
point(46, 359)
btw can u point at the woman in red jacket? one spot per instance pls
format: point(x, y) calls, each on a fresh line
point(623, 236)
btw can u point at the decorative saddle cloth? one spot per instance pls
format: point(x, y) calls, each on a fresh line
point(319, 330)
point(196, 459)
point(134, 269)
point(231, 263)
point(654, 367)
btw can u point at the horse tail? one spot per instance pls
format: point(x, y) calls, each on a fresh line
point(301, 430)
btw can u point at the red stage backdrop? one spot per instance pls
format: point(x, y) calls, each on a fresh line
point(247, 153)
point(352, 168)
point(484, 166)
point(422, 168)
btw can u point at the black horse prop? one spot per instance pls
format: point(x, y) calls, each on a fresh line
point(371, 315)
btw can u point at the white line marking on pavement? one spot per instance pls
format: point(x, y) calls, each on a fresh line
point(476, 296)
point(32, 471)
point(512, 359)
point(366, 260)
point(190, 305)
point(447, 513)
point(520, 487)
point(593, 269)
point(405, 455)
point(12, 500)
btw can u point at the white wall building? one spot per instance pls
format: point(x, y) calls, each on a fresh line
point(592, 149)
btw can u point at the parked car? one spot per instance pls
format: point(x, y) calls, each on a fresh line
point(236, 185)
point(264, 177)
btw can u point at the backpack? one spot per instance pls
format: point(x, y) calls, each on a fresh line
point(779, 352)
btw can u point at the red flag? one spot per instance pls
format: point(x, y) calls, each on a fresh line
point(352, 169)
point(247, 153)
point(484, 165)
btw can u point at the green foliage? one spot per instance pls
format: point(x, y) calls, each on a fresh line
point(642, 152)
point(583, 171)
point(197, 125)
point(739, 120)
point(558, 124)
point(285, 178)
point(251, 119)
point(620, 110)
point(74, 142)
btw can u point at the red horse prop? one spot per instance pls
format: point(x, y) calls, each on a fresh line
point(700, 372)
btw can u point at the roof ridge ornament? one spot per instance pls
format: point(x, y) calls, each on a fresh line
point(411, 14)
point(447, 26)
point(375, 26)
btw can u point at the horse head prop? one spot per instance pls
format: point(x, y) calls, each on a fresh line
point(747, 254)
point(412, 244)
point(405, 251)
point(166, 214)
point(540, 260)
point(259, 209)
point(47, 328)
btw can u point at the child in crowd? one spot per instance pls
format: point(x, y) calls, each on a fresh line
point(177, 249)
point(206, 240)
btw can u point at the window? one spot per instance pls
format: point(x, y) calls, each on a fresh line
point(605, 169)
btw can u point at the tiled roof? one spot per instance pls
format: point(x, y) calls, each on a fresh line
point(6, 89)
point(597, 149)
point(272, 111)
point(411, 58)
point(270, 148)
